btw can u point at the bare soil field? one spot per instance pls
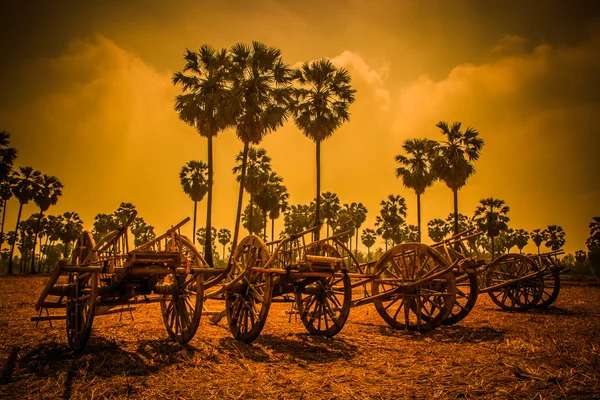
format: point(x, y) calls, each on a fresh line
point(547, 354)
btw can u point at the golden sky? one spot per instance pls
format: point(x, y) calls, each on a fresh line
point(86, 94)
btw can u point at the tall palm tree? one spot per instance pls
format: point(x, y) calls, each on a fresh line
point(321, 106)
point(204, 105)
point(49, 190)
point(7, 156)
point(555, 237)
point(393, 213)
point(359, 214)
point(279, 207)
point(368, 238)
point(194, 181)
point(69, 230)
point(411, 233)
point(538, 236)
point(297, 218)
point(438, 229)
point(491, 217)
point(5, 195)
point(24, 185)
point(103, 225)
point(224, 237)
point(453, 163)
point(415, 169)
point(464, 222)
point(331, 206)
point(258, 169)
point(268, 198)
point(345, 223)
point(260, 96)
point(202, 237)
point(521, 237)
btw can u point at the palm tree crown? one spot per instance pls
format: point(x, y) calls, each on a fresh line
point(261, 90)
point(490, 216)
point(453, 163)
point(321, 105)
point(415, 169)
point(205, 105)
point(194, 181)
point(555, 237)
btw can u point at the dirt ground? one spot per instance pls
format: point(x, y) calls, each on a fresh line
point(547, 354)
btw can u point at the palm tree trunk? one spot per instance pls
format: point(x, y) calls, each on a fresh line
point(356, 247)
point(419, 217)
point(194, 223)
point(12, 248)
point(42, 259)
point(2, 226)
point(208, 257)
point(265, 227)
point(327, 227)
point(492, 248)
point(455, 191)
point(250, 214)
point(272, 229)
point(318, 205)
point(37, 231)
point(368, 254)
point(238, 216)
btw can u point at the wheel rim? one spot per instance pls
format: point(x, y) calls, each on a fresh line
point(523, 294)
point(80, 310)
point(426, 305)
point(324, 304)
point(466, 298)
point(182, 308)
point(551, 290)
point(248, 296)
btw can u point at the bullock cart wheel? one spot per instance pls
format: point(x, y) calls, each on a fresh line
point(414, 301)
point(81, 301)
point(466, 296)
point(324, 302)
point(248, 295)
point(182, 297)
point(513, 292)
point(551, 290)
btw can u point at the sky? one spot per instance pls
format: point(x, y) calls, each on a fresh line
point(86, 94)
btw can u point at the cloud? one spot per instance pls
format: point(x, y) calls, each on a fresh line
point(361, 71)
point(536, 110)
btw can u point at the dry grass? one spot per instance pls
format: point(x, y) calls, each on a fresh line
point(491, 354)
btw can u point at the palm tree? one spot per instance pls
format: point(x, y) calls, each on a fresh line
point(194, 181)
point(280, 206)
point(453, 161)
point(269, 197)
point(258, 169)
point(321, 106)
point(555, 237)
point(142, 232)
point(464, 222)
point(260, 95)
point(224, 236)
point(368, 238)
point(411, 233)
point(594, 239)
point(538, 238)
point(202, 237)
point(393, 213)
point(521, 237)
point(415, 169)
point(70, 227)
point(580, 256)
point(7, 156)
point(438, 229)
point(490, 216)
point(331, 206)
point(297, 218)
point(345, 223)
point(204, 105)
point(103, 225)
point(49, 190)
point(24, 185)
point(359, 214)
point(5, 195)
